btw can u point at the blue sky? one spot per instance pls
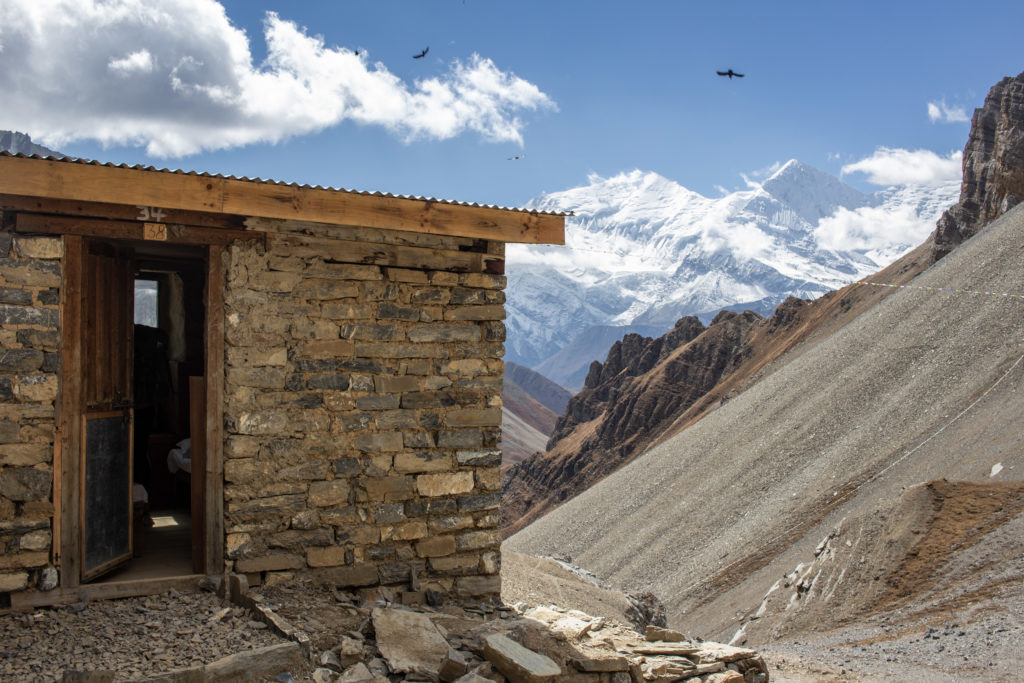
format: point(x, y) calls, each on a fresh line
point(575, 88)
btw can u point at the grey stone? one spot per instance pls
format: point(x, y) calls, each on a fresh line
point(517, 663)
point(453, 666)
point(358, 673)
point(264, 661)
point(48, 579)
point(409, 641)
point(485, 458)
point(25, 315)
point(13, 295)
point(475, 503)
point(23, 484)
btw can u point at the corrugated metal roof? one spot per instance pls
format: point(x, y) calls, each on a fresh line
point(154, 169)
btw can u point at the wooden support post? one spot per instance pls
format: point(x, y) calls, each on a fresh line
point(214, 479)
point(66, 458)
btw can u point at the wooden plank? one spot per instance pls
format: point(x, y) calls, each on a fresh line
point(197, 431)
point(214, 478)
point(123, 212)
point(125, 230)
point(173, 191)
point(379, 254)
point(111, 590)
point(360, 233)
point(69, 415)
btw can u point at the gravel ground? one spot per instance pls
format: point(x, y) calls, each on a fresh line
point(134, 637)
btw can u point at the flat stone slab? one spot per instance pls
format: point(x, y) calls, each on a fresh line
point(666, 649)
point(409, 641)
point(517, 663)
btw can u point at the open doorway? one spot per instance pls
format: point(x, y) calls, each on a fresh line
point(143, 360)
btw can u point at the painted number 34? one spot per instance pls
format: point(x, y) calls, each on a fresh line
point(150, 213)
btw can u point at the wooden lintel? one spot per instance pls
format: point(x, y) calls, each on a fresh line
point(90, 227)
point(344, 251)
point(64, 180)
point(123, 212)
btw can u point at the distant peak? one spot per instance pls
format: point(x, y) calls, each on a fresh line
point(794, 169)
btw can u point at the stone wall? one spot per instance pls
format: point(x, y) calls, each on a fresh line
point(30, 278)
point(363, 414)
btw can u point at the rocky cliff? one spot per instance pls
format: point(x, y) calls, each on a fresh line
point(20, 143)
point(993, 164)
point(553, 396)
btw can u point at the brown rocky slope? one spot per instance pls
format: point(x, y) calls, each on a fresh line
point(531, 404)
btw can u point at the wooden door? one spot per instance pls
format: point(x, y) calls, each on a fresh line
point(106, 365)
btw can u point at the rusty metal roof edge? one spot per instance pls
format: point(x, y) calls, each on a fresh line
point(264, 181)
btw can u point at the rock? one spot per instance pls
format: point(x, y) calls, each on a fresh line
point(725, 677)
point(473, 678)
point(350, 651)
point(330, 660)
point(993, 165)
point(409, 641)
point(667, 635)
point(324, 675)
point(454, 665)
point(607, 664)
point(48, 579)
point(665, 649)
point(358, 673)
point(264, 661)
point(517, 663)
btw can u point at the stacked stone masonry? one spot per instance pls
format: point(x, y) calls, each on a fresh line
point(30, 279)
point(362, 418)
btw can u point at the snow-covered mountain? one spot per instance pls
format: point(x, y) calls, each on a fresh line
point(642, 251)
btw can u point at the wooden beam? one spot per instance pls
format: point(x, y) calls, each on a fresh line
point(380, 254)
point(69, 415)
point(124, 230)
point(110, 590)
point(214, 477)
point(122, 212)
point(178, 191)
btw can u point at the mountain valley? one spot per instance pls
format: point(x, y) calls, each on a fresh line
point(846, 496)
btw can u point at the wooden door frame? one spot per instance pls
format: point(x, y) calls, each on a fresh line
point(68, 444)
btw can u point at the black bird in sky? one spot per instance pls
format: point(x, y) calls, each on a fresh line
point(422, 54)
point(730, 73)
point(517, 157)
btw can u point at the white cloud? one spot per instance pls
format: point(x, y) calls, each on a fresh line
point(889, 167)
point(872, 227)
point(136, 62)
point(939, 111)
point(177, 77)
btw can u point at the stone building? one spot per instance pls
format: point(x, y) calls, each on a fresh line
point(334, 357)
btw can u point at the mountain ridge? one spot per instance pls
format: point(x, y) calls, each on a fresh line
point(643, 251)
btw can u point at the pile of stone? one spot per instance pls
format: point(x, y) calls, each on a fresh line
point(374, 639)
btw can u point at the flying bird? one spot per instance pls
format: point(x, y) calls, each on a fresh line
point(730, 73)
point(517, 157)
point(422, 54)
